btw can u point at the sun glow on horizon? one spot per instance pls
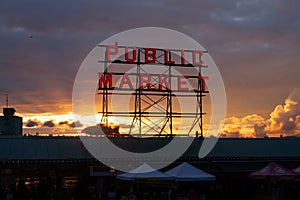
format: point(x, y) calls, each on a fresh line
point(284, 121)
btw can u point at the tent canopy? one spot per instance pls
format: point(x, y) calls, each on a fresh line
point(187, 172)
point(297, 170)
point(272, 170)
point(144, 172)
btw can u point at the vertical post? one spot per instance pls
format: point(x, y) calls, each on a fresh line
point(104, 117)
point(139, 95)
point(200, 86)
point(170, 97)
point(6, 100)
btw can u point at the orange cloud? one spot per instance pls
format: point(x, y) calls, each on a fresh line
point(254, 118)
point(283, 120)
point(241, 127)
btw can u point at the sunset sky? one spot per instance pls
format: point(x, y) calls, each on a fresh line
point(255, 44)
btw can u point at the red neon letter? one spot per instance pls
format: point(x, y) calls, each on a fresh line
point(182, 81)
point(105, 80)
point(133, 56)
point(143, 80)
point(163, 80)
point(167, 56)
point(126, 80)
point(197, 54)
point(203, 82)
point(150, 52)
point(182, 57)
point(109, 52)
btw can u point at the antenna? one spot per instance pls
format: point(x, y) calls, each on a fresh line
point(6, 100)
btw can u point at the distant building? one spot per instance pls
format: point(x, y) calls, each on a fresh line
point(9, 123)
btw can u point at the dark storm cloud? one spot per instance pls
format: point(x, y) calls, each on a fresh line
point(31, 123)
point(49, 124)
point(75, 124)
point(255, 44)
point(63, 123)
point(229, 134)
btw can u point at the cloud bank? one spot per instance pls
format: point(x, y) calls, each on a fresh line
point(253, 42)
point(284, 120)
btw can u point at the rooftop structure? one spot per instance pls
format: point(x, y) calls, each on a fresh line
point(9, 123)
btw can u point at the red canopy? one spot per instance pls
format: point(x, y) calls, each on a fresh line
point(297, 170)
point(273, 170)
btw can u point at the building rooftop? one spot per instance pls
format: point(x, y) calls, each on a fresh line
point(14, 147)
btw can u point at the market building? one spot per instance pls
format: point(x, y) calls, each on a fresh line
point(51, 164)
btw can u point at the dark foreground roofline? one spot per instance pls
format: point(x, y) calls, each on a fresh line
point(31, 148)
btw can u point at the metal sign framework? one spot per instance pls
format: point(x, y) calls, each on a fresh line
point(146, 99)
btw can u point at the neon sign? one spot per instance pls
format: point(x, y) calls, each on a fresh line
point(151, 56)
